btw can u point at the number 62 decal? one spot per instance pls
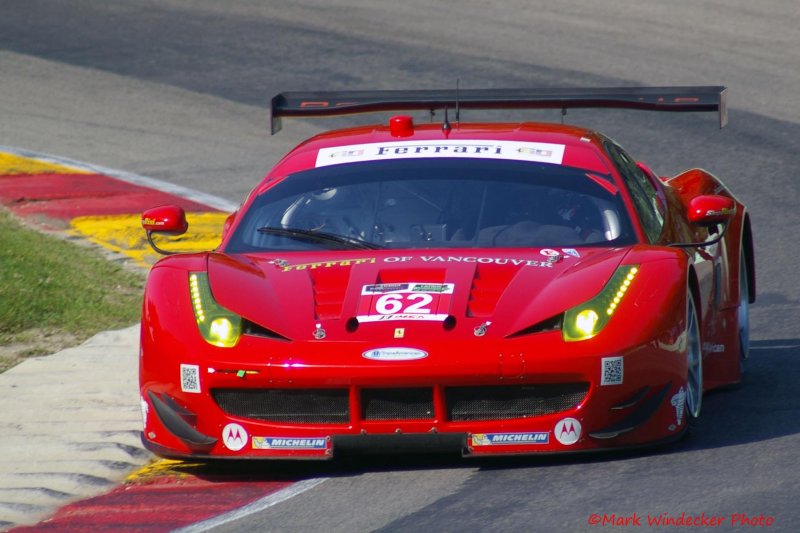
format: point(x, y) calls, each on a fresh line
point(405, 301)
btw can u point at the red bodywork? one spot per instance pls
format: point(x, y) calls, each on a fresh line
point(439, 382)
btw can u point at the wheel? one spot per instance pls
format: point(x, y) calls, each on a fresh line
point(694, 361)
point(743, 317)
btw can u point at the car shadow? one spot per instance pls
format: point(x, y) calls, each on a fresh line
point(764, 407)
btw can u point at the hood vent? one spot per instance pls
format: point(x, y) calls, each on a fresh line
point(489, 283)
point(329, 286)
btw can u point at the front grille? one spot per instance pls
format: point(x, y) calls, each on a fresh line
point(302, 406)
point(332, 406)
point(397, 404)
point(518, 401)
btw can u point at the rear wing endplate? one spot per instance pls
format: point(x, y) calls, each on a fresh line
point(334, 103)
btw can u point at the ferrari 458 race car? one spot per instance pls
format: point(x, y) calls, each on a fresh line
point(500, 288)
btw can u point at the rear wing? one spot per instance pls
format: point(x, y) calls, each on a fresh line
point(333, 103)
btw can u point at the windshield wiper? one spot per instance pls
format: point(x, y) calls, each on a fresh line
point(321, 236)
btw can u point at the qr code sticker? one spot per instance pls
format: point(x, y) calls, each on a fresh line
point(612, 371)
point(190, 378)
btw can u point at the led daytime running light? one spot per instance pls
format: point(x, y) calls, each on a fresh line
point(217, 325)
point(587, 320)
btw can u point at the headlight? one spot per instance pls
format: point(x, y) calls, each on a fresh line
point(586, 320)
point(217, 325)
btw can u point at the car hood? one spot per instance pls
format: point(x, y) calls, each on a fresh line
point(290, 294)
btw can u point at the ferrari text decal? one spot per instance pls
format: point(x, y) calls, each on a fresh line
point(404, 301)
point(493, 439)
point(285, 267)
point(518, 151)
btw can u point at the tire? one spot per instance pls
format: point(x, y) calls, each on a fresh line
point(694, 361)
point(743, 317)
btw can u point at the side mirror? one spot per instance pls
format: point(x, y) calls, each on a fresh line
point(166, 219)
point(710, 210)
point(169, 219)
point(228, 224)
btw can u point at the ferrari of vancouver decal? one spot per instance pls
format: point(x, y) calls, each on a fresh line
point(405, 301)
point(494, 439)
point(290, 443)
point(482, 260)
point(286, 267)
point(513, 150)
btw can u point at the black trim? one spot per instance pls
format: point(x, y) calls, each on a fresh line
point(257, 330)
point(333, 103)
point(554, 323)
point(174, 423)
point(400, 443)
point(636, 418)
point(169, 453)
point(636, 398)
point(587, 451)
point(285, 406)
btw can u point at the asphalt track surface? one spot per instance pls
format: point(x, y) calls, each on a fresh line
point(177, 90)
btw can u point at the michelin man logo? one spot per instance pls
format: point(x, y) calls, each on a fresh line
point(678, 402)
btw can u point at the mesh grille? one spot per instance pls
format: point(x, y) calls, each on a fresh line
point(397, 404)
point(304, 406)
point(522, 401)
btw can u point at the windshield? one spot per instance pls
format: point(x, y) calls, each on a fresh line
point(442, 203)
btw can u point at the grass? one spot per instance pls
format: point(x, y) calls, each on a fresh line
point(55, 293)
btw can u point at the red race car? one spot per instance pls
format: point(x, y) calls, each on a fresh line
point(497, 288)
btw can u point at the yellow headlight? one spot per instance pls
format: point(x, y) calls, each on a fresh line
point(221, 332)
point(217, 325)
point(588, 319)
